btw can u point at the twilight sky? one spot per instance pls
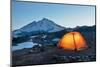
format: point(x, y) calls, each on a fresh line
point(24, 13)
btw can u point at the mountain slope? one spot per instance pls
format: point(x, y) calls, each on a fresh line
point(44, 25)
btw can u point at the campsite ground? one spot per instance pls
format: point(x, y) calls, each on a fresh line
point(51, 55)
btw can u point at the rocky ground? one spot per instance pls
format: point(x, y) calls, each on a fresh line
point(51, 55)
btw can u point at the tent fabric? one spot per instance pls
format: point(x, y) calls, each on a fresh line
point(73, 41)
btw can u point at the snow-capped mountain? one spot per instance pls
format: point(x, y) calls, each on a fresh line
point(44, 25)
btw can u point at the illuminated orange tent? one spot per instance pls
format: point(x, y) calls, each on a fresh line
point(73, 41)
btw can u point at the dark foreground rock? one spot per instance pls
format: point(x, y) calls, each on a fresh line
point(51, 55)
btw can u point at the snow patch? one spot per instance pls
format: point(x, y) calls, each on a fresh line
point(23, 45)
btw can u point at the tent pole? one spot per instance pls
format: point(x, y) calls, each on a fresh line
point(74, 42)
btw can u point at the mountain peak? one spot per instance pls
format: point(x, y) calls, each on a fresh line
point(45, 19)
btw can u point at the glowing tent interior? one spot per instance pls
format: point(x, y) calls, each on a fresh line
point(73, 41)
